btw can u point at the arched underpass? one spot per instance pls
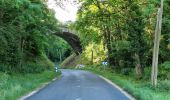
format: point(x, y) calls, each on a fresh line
point(72, 39)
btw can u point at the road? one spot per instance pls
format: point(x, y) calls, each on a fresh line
point(79, 85)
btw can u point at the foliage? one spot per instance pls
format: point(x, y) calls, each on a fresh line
point(166, 65)
point(126, 29)
point(140, 89)
point(99, 54)
point(25, 35)
point(164, 72)
point(164, 51)
point(39, 65)
point(57, 49)
point(16, 85)
point(164, 85)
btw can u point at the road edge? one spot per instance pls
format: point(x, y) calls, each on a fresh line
point(38, 89)
point(117, 87)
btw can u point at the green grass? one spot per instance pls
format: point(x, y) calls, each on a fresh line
point(140, 89)
point(16, 85)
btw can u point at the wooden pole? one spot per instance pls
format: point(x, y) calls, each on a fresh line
point(156, 46)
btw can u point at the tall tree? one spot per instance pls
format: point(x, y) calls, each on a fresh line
point(156, 46)
point(135, 29)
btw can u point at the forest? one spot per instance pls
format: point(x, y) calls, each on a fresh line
point(119, 32)
point(122, 33)
point(26, 39)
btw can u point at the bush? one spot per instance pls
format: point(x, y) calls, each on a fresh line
point(46, 62)
point(164, 85)
point(126, 71)
point(39, 65)
point(2, 67)
point(147, 74)
point(6, 68)
point(31, 67)
point(166, 65)
point(164, 72)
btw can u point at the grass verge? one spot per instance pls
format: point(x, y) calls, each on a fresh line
point(140, 89)
point(16, 85)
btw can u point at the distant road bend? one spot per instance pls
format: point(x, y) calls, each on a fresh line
point(79, 85)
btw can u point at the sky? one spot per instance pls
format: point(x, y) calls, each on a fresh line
point(64, 15)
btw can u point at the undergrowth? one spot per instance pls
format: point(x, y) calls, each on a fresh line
point(140, 89)
point(16, 85)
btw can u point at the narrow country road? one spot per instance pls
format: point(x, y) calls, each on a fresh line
point(79, 85)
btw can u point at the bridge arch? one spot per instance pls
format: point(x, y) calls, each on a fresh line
point(72, 39)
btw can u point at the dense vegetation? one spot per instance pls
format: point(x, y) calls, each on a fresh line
point(12, 87)
point(140, 89)
point(26, 42)
point(122, 33)
point(27, 47)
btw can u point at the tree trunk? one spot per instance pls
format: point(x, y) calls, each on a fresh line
point(138, 67)
point(155, 55)
point(156, 46)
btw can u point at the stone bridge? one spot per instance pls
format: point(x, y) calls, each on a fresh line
point(71, 38)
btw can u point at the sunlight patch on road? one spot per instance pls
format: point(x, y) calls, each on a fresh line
point(78, 86)
point(78, 99)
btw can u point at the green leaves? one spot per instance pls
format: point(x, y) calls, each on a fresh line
point(24, 25)
point(166, 65)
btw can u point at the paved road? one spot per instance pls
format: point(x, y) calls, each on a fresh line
point(79, 85)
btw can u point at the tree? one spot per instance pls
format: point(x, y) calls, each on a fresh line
point(135, 29)
point(97, 20)
point(25, 26)
point(156, 46)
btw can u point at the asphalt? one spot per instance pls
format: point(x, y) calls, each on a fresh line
point(79, 85)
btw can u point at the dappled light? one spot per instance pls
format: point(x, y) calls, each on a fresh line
point(84, 49)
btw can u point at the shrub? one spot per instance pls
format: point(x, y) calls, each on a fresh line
point(164, 72)
point(32, 67)
point(166, 65)
point(126, 71)
point(39, 65)
point(164, 85)
point(6, 68)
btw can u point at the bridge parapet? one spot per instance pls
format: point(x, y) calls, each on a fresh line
point(66, 29)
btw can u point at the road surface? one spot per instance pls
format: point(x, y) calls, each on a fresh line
point(79, 85)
